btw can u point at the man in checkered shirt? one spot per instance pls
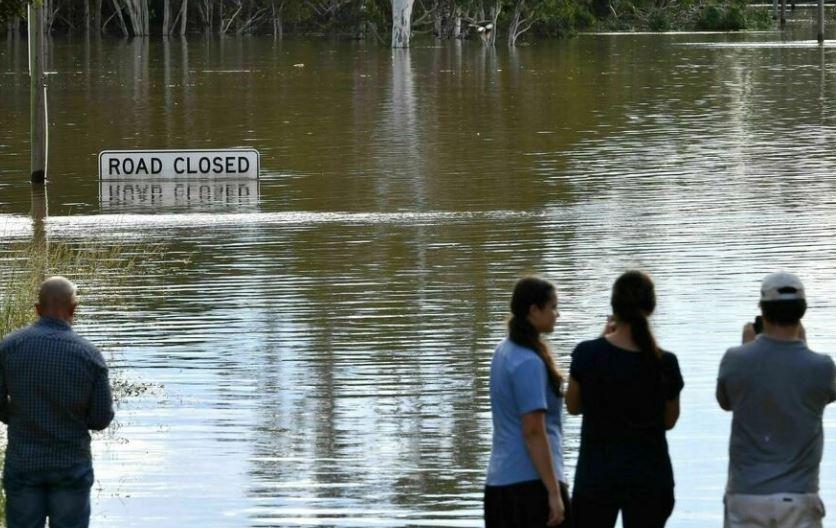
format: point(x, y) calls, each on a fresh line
point(54, 389)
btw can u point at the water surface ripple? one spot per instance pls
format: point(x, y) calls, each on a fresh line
point(322, 357)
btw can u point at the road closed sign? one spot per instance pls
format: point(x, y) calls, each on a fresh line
point(178, 164)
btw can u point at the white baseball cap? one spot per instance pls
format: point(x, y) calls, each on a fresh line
point(781, 286)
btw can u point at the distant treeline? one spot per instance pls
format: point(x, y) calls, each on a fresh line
point(485, 20)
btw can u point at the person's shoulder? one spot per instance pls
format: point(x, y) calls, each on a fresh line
point(669, 358)
point(820, 360)
point(590, 346)
point(15, 337)
point(742, 351)
point(735, 359)
point(517, 356)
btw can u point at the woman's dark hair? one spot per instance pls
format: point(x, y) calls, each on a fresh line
point(784, 313)
point(528, 291)
point(633, 300)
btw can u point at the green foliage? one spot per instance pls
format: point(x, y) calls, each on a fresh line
point(551, 18)
point(759, 19)
point(659, 20)
point(10, 9)
point(733, 15)
point(562, 17)
point(683, 15)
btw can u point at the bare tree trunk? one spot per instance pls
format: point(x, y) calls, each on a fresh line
point(138, 13)
point(184, 10)
point(118, 11)
point(486, 26)
point(132, 15)
point(517, 25)
point(97, 16)
point(87, 18)
point(14, 28)
point(490, 37)
point(166, 29)
point(401, 23)
point(220, 17)
point(446, 19)
point(224, 28)
point(278, 30)
point(47, 15)
point(205, 8)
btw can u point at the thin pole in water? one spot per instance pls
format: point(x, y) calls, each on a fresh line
point(821, 22)
point(37, 95)
point(783, 13)
point(39, 214)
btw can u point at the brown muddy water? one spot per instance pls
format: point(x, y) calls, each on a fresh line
point(324, 342)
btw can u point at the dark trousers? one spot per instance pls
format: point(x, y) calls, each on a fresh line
point(523, 505)
point(639, 509)
point(63, 495)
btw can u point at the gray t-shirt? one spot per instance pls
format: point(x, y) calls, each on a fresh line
point(778, 391)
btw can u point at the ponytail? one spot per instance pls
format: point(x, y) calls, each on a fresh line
point(633, 300)
point(528, 291)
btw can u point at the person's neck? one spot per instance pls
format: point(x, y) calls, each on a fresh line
point(782, 332)
point(622, 337)
point(58, 317)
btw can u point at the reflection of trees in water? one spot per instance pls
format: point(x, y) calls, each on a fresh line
point(386, 394)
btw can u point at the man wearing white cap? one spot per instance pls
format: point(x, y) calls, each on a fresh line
point(777, 389)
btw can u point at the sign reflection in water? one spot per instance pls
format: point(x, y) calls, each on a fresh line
point(166, 194)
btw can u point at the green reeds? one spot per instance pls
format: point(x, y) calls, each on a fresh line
point(23, 266)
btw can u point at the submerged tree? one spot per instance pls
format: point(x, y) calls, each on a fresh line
point(401, 23)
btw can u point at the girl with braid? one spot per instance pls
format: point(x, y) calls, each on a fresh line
point(627, 389)
point(526, 485)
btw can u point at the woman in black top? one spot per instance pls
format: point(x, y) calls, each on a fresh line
point(627, 389)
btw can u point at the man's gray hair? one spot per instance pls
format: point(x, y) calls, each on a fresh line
point(57, 291)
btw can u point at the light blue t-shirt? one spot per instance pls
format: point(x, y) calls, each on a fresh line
point(520, 385)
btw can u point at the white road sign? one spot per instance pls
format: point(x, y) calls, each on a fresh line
point(148, 165)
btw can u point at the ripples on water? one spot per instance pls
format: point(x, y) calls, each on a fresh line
point(325, 357)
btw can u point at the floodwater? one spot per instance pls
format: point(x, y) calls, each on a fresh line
point(320, 343)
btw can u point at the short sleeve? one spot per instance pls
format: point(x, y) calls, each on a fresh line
point(529, 381)
point(577, 368)
point(725, 366)
point(721, 392)
point(672, 375)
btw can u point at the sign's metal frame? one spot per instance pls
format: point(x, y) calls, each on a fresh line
point(186, 152)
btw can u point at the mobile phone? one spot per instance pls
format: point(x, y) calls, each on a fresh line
point(758, 324)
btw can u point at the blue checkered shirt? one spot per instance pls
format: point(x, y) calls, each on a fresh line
point(53, 390)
